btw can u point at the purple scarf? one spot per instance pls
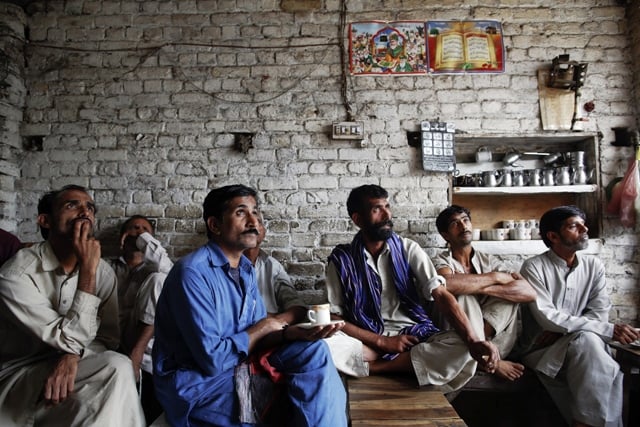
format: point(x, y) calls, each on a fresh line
point(362, 288)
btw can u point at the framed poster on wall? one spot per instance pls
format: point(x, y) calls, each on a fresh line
point(380, 47)
point(465, 47)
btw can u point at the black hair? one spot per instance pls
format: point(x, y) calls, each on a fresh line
point(444, 218)
point(218, 199)
point(124, 225)
point(553, 219)
point(359, 196)
point(47, 202)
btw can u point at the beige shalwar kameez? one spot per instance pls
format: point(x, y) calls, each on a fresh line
point(502, 315)
point(43, 316)
point(443, 359)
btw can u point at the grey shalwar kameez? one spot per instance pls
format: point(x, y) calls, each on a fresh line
point(577, 369)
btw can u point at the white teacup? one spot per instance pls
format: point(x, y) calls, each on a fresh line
point(532, 223)
point(319, 314)
point(522, 223)
point(535, 234)
point(476, 234)
point(498, 234)
point(508, 223)
point(520, 234)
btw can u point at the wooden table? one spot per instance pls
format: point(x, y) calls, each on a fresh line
point(398, 401)
point(628, 357)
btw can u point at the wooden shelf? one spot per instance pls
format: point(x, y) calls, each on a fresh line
point(490, 206)
point(543, 189)
point(527, 247)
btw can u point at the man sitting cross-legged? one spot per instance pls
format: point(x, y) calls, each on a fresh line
point(485, 284)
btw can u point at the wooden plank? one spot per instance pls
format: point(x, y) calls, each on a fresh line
point(398, 401)
point(420, 423)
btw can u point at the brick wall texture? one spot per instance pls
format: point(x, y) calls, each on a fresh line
point(142, 101)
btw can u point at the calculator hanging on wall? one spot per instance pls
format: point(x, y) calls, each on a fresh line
point(438, 146)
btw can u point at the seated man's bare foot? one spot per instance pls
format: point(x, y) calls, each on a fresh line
point(509, 370)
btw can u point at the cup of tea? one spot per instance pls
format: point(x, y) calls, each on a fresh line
point(319, 314)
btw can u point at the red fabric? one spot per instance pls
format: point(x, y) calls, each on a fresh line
point(259, 364)
point(624, 195)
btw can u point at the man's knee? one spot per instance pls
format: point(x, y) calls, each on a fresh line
point(313, 354)
point(586, 344)
point(111, 364)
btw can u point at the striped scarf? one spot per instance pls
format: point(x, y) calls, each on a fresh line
point(362, 288)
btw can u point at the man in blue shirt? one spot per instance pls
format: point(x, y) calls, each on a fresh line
point(210, 319)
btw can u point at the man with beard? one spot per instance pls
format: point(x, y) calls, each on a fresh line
point(565, 332)
point(140, 272)
point(484, 283)
point(379, 284)
point(59, 324)
point(211, 324)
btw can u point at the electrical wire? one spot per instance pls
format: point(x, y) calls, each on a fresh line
point(177, 67)
point(344, 63)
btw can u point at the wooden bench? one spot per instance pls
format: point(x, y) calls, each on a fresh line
point(391, 401)
point(398, 401)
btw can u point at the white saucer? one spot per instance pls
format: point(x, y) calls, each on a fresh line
point(310, 325)
point(636, 343)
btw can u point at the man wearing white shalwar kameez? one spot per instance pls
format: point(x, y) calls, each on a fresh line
point(59, 324)
point(565, 333)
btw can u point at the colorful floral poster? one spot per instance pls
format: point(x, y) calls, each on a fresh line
point(465, 47)
point(377, 47)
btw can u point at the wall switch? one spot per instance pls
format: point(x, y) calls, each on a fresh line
point(347, 130)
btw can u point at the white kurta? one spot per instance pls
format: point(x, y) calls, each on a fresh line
point(443, 359)
point(275, 285)
point(577, 370)
point(43, 315)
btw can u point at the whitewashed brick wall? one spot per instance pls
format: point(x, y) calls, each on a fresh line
point(139, 100)
point(12, 97)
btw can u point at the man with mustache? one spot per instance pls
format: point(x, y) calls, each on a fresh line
point(211, 324)
point(59, 323)
point(484, 283)
point(565, 332)
point(380, 284)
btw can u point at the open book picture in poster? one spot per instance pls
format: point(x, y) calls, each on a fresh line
point(380, 47)
point(465, 47)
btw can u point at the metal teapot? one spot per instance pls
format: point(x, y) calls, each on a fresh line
point(506, 178)
point(483, 155)
point(533, 177)
point(562, 175)
point(548, 177)
point(519, 178)
point(491, 178)
point(580, 175)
